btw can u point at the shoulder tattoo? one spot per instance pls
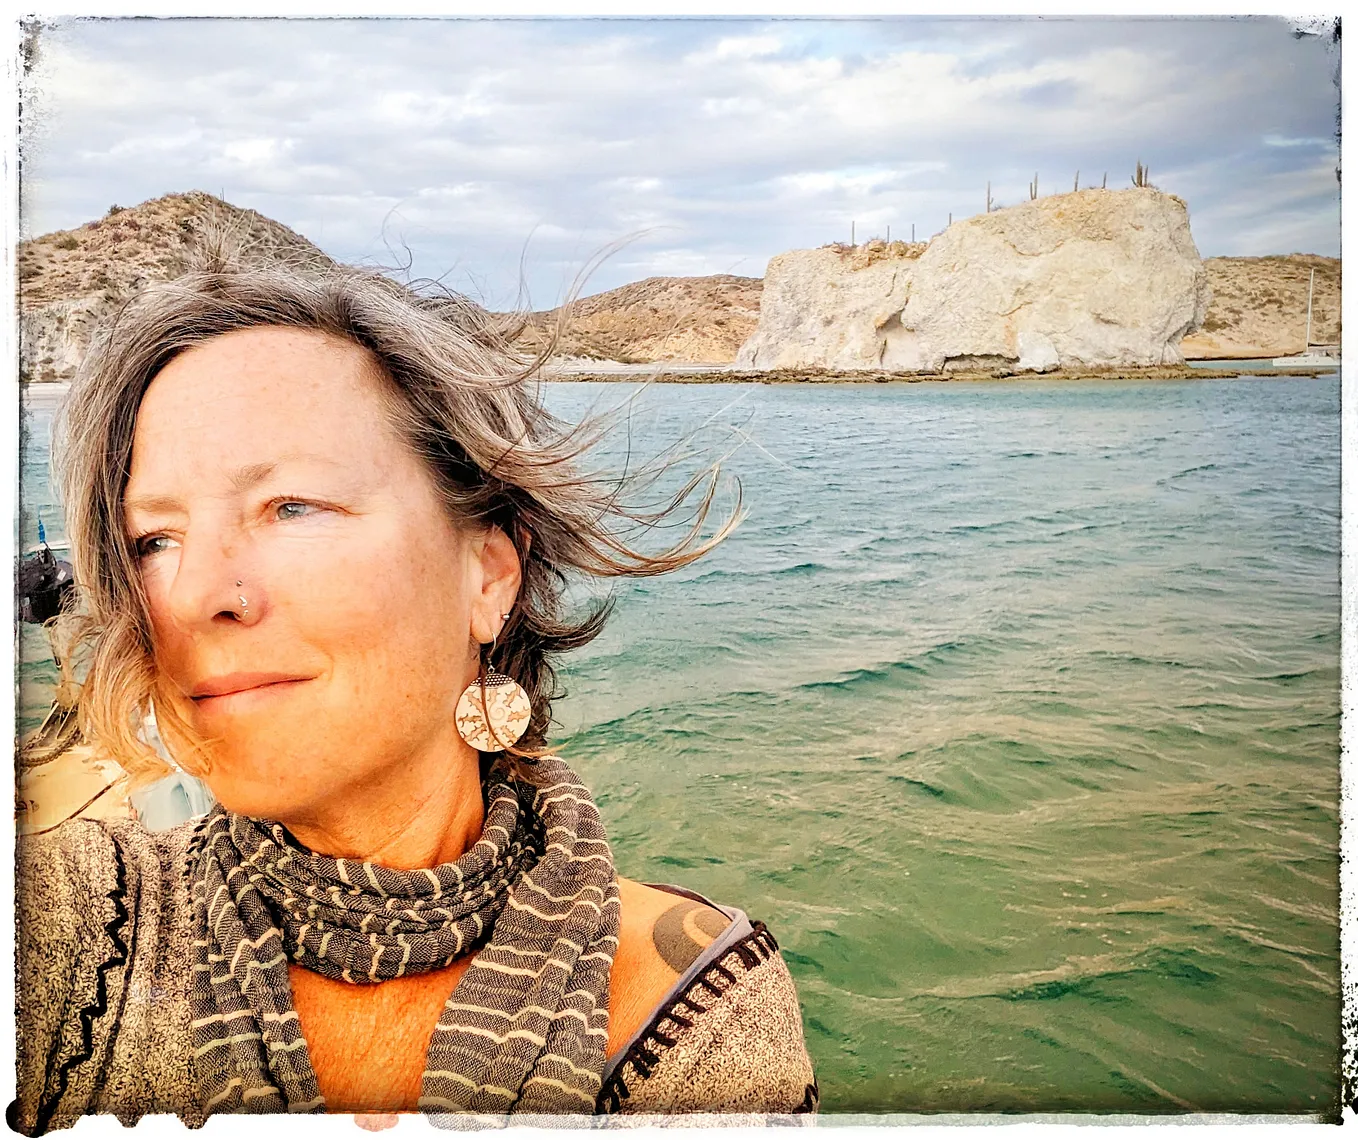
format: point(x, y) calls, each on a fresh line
point(682, 932)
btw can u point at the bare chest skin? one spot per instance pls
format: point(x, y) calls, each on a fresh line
point(368, 1044)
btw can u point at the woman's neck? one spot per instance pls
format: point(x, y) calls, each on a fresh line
point(428, 813)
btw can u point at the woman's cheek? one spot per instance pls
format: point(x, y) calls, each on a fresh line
point(157, 579)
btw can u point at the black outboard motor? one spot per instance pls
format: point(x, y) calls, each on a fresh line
point(43, 583)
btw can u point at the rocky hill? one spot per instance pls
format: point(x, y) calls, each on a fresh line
point(69, 281)
point(1102, 278)
point(1259, 307)
point(698, 319)
point(72, 279)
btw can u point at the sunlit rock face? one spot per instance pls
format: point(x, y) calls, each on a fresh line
point(1091, 278)
point(832, 307)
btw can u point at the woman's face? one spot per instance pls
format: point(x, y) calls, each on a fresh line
point(315, 613)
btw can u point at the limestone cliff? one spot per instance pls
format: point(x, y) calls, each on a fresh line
point(1091, 278)
point(827, 307)
point(1258, 309)
point(71, 280)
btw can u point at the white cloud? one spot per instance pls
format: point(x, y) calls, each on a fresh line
point(738, 47)
point(726, 141)
point(257, 152)
point(1278, 140)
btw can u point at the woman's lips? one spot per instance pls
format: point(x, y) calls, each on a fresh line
point(237, 688)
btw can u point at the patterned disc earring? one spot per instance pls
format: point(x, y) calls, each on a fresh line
point(494, 710)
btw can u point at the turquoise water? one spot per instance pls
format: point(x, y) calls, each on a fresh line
point(1013, 709)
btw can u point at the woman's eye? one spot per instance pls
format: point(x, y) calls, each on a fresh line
point(291, 510)
point(152, 544)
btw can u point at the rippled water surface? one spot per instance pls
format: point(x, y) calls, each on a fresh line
point(1013, 709)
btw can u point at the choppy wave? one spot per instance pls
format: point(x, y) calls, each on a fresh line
point(1015, 716)
point(1032, 732)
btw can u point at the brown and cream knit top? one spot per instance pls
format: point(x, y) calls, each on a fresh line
point(105, 933)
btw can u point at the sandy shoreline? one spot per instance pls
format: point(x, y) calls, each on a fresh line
point(718, 374)
point(685, 373)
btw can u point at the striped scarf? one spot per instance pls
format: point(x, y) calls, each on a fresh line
point(525, 1029)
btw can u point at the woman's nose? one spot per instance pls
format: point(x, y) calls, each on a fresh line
point(212, 586)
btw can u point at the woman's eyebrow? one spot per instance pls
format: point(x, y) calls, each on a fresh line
point(242, 479)
point(153, 504)
point(253, 474)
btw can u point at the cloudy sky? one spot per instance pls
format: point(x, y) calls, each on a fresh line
point(491, 149)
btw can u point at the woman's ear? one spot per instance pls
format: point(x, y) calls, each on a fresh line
point(496, 578)
point(523, 539)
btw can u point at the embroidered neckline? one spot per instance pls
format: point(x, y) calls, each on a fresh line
point(645, 1052)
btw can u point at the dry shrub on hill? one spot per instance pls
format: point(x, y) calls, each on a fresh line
point(700, 319)
point(870, 252)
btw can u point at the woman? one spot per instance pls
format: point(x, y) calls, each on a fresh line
point(322, 526)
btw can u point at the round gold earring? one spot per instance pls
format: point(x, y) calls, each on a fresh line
point(493, 711)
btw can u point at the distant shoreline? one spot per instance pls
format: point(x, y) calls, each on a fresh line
point(612, 372)
point(688, 374)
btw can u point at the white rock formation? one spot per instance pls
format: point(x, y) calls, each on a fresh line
point(824, 307)
point(1096, 277)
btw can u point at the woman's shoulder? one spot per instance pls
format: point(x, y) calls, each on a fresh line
point(84, 857)
point(87, 895)
point(725, 1035)
point(97, 904)
point(665, 928)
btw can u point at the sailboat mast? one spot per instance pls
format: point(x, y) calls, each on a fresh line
point(1310, 293)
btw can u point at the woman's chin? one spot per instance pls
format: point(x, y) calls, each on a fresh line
point(277, 774)
point(262, 728)
point(262, 795)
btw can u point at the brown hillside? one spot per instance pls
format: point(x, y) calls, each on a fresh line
point(1259, 307)
point(699, 319)
point(69, 281)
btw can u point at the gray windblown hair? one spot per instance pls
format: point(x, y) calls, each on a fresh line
point(466, 403)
